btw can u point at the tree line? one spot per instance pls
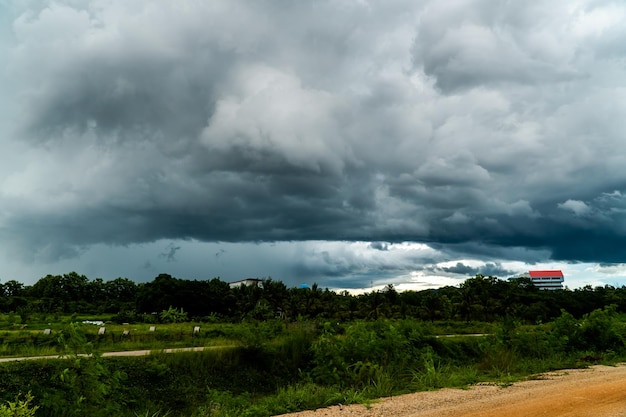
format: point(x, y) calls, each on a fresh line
point(479, 298)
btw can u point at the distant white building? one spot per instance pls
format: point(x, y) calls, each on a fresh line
point(248, 282)
point(547, 280)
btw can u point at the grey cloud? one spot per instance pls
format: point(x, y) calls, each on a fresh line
point(383, 246)
point(459, 170)
point(361, 264)
point(482, 130)
point(108, 75)
point(487, 269)
point(477, 43)
point(170, 252)
point(460, 268)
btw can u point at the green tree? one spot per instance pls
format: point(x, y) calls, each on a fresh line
point(173, 315)
point(12, 288)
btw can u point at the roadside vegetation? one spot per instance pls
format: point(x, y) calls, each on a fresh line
point(276, 349)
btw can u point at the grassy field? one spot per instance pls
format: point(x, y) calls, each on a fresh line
point(273, 367)
point(42, 338)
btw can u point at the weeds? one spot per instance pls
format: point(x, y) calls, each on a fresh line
point(19, 408)
point(433, 376)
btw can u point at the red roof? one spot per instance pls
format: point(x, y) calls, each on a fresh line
point(542, 274)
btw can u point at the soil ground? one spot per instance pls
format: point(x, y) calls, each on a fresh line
point(598, 391)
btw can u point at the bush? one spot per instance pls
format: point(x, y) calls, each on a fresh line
point(86, 386)
point(599, 331)
point(19, 408)
point(367, 350)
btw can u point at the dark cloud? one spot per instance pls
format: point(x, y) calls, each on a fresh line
point(481, 130)
point(487, 269)
point(379, 246)
point(170, 252)
point(460, 268)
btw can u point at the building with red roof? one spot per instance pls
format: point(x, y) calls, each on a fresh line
point(548, 279)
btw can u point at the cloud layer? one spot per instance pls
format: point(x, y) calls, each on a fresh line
point(477, 129)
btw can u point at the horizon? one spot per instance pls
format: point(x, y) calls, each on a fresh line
point(352, 291)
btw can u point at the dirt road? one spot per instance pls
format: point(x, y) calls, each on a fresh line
point(599, 391)
point(122, 353)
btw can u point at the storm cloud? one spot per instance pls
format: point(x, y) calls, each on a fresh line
point(486, 130)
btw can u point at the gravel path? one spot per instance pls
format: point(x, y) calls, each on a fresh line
point(599, 391)
point(120, 353)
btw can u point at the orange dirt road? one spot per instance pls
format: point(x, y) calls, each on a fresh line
point(599, 391)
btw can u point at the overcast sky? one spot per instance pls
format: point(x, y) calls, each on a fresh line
point(349, 143)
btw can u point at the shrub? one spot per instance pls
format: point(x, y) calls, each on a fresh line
point(19, 408)
point(85, 386)
point(366, 352)
point(599, 331)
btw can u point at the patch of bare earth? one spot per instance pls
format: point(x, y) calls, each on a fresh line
point(599, 391)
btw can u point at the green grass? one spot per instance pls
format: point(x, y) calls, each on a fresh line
point(277, 368)
point(32, 341)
